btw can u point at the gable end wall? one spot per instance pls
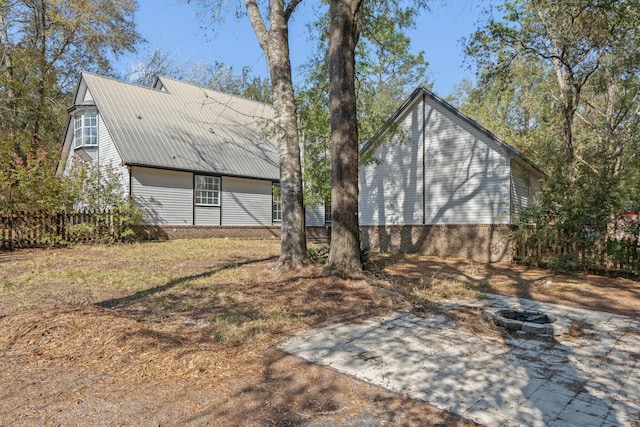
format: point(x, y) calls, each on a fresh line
point(466, 174)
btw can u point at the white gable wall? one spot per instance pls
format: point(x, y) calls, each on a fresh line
point(108, 154)
point(391, 186)
point(467, 174)
point(466, 178)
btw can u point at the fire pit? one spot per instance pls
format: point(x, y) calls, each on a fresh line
point(531, 322)
point(526, 316)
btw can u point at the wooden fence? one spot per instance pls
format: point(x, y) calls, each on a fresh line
point(614, 249)
point(36, 229)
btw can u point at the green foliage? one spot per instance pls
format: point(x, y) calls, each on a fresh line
point(29, 184)
point(319, 254)
point(216, 76)
point(98, 189)
point(574, 227)
point(560, 81)
point(43, 44)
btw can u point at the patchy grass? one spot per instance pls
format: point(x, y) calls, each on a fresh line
point(185, 331)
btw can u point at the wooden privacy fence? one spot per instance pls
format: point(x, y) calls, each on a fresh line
point(615, 248)
point(23, 229)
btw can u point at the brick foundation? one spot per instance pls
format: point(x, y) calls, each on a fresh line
point(480, 242)
point(168, 232)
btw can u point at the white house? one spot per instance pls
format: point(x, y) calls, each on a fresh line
point(441, 184)
point(190, 156)
point(203, 163)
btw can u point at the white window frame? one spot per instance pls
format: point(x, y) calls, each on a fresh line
point(276, 203)
point(85, 129)
point(206, 190)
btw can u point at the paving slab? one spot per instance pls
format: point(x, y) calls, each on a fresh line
point(591, 380)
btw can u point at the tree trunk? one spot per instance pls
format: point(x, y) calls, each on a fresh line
point(275, 43)
point(344, 256)
point(7, 66)
point(570, 99)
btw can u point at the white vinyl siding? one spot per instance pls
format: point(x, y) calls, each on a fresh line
point(391, 186)
point(108, 154)
point(246, 201)
point(206, 215)
point(314, 217)
point(167, 196)
point(105, 153)
point(467, 173)
point(524, 186)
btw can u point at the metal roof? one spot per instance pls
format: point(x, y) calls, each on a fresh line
point(180, 126)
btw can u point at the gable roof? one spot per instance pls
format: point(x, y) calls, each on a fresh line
point(176, 125)
point(435, 100)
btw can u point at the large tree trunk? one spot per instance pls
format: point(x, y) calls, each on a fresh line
point(344, 256)
point(275, 43)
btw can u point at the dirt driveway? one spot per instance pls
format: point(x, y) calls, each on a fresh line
point(185, 332)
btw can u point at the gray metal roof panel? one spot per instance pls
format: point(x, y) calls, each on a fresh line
point(186, 127)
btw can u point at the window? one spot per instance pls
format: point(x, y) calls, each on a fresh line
point(276, 203)
point(85, 129)
point(327, 212)
point(207, 190)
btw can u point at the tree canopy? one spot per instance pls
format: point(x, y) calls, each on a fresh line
point(43, 45)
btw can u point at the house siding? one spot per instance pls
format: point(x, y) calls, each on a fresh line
point(108, 154)
point(167, 196)
point(314, 217)
point(87, 96)
point(466, 178)
point(524, 186)
point(246, 201)
point(391, 186)
point(467, 173)
point(206, 215)
point(104, 154)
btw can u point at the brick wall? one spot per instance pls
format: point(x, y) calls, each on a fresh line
point(315, 234)
point(165, 232)
point(480, 242)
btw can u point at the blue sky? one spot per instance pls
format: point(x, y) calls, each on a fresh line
point(175, 26)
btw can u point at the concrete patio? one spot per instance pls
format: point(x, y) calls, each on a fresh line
point(589, 380)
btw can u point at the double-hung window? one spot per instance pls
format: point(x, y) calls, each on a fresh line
point(85, 129)
point(207, 190)
point(276, 203)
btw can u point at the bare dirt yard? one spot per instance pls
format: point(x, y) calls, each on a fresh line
point(186, 332)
